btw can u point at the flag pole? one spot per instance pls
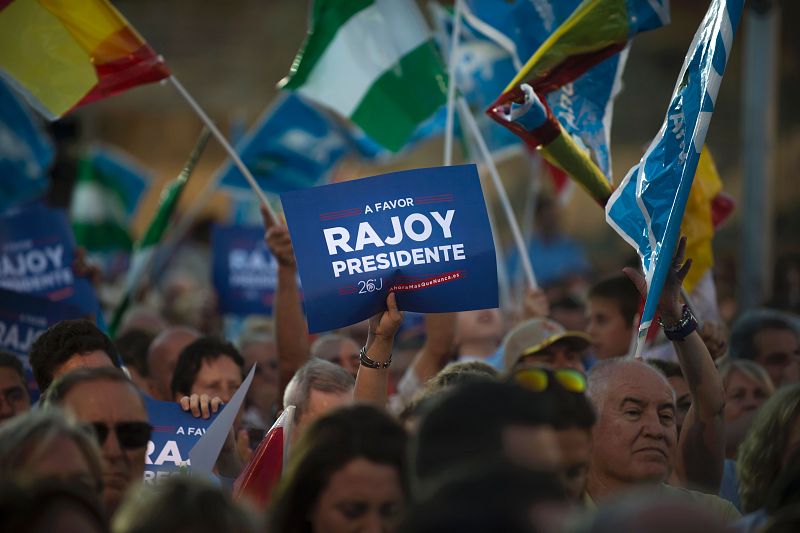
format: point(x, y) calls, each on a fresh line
point(138, 269)
point(225, 144)
point(468, 120)
point(451, 84)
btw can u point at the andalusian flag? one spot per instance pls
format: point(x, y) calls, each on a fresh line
point(146, 248)
point(107, 191)
point(66, 53)
point(372, 61)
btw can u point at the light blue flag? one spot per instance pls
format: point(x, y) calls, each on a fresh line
point(483, 69)
point(25, 153)
point(293, 146)
point(647, 208)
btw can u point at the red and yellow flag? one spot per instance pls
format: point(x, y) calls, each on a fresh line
point(66, 53)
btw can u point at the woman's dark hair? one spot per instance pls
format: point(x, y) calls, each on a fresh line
point(332, 441)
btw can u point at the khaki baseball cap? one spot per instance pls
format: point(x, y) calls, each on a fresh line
point(535, 335)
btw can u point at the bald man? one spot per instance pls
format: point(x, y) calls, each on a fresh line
point(162, 356)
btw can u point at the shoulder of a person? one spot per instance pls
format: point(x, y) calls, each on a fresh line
point(720, 505)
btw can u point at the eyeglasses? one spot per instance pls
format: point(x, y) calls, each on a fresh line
point(130, 435)
point(539, 379)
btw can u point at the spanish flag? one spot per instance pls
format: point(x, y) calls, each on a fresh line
point(63, 54)
point(595, 31)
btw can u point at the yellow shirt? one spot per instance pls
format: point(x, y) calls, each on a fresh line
point(722, 508)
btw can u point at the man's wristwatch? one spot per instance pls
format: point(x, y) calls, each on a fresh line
point(681, 329)
point(369, 363)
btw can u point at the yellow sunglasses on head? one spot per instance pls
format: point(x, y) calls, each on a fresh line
point(539, 379)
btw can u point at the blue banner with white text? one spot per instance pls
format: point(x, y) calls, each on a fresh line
point(423, 234)
point(36, 255)
point(244, 271)
point(175, 432)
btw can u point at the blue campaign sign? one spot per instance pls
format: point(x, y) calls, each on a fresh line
point(422, 233)
point(244, 271)
point(24, 316)
point(36, 254)
point(175, 432)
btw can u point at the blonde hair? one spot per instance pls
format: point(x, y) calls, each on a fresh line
point(748, 368)
point(761, 453)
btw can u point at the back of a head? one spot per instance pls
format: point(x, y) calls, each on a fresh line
point(25, 437)
point(497, 496)
point(192, 357)
point(761, 454)
point(747, 326)
point(668, 368)
point(329, 444)
point(62, 386)
point(619, 289)
point(327, 346)
point(182, 503)
point(58, 343)
point(132, 347)
point(316, 374)
point(466, 425)
point(49, 505)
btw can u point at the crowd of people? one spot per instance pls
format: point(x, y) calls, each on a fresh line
point(531, 421)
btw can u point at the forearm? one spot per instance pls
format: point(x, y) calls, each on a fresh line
point(701, 448)
point(291, 330)
point(440, 331)
point(702, 378)
point(372, 384)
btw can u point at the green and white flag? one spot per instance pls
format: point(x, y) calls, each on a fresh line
point(374, 62)
point(146, 248)
point(107, 191)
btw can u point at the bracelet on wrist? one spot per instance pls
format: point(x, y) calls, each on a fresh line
point(681, 329)
point(370, 363)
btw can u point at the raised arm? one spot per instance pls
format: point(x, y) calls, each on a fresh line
point(440, 332)
point(701, 444)
point(372, 383)
point(291, 330)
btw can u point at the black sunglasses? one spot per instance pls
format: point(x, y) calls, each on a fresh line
point(130, 435)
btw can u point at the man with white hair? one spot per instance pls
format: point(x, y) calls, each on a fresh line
point(635, 439)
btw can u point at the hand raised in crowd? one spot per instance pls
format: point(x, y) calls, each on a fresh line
point(278, 241)
point(84, 269)
point(715, 337)
point(669, 305)
point(384, 325)
point(201, 405)
point(535, 304)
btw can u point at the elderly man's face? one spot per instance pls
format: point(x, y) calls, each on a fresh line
point(634, 438)
point(117, 408)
